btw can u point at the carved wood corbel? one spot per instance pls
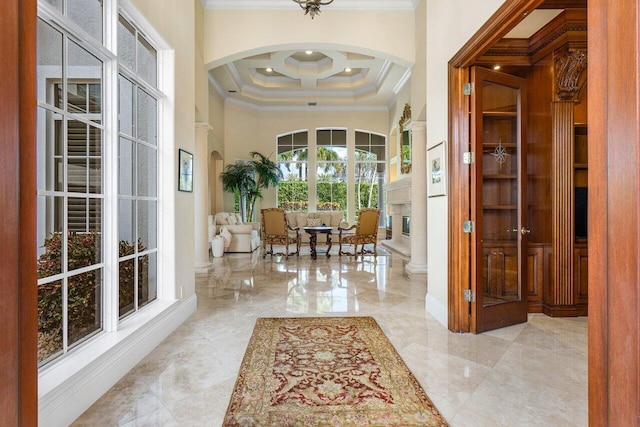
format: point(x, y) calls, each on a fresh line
point(569, 68)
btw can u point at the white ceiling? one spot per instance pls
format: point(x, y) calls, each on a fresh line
point(299, 81)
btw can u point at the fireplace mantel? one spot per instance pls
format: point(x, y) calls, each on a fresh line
point(398, 198)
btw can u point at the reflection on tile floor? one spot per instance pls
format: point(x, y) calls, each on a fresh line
point(533, 374)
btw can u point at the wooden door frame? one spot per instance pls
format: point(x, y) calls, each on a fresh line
point(614, 212)
point(18, 281)
point(460, 250)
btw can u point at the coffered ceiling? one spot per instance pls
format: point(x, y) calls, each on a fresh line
point(324, 78)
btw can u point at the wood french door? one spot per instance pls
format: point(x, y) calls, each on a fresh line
point(498, 201)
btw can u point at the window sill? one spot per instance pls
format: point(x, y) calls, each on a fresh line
point(67, 387)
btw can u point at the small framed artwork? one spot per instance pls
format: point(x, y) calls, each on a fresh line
point(185, 171)
point(436, 170)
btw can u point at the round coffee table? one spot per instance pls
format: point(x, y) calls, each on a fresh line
point(313, 231)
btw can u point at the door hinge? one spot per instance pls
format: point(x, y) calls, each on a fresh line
point(469, 295)
point(468, 226)
point(468, 88)
point(469, 157)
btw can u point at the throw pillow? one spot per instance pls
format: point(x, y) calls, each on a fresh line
point(326, 218)
point(232, 220)
point(226, 235)
point(314, 221)
point(238, 218)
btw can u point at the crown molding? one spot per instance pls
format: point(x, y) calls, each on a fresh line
point(286, 4)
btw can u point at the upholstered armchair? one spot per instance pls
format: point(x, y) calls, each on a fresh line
point(276, 231)
point(366, 232)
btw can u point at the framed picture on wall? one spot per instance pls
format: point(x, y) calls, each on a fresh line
point(185, 171)
point(436, 170)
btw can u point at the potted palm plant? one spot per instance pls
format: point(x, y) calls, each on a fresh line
point(247, 179)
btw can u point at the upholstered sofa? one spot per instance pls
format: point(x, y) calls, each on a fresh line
point(303, 219)
point(238, 236)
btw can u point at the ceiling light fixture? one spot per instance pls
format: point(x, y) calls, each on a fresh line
point(269, 69)
point(347, 70)
point(312, 7)
point(496, 67)
point(308, 52)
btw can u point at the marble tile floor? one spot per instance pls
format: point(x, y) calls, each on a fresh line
point(534, 374)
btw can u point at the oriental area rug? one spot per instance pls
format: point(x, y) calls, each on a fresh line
point(326, 371)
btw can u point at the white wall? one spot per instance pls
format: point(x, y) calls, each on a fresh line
point(450, 24)
point(231, 34)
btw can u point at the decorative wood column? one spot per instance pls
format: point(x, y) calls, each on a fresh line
point(569, 66)
point(200, 189)
point(418, 235)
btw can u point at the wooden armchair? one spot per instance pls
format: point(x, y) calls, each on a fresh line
point(366, 233)
point(276, 231)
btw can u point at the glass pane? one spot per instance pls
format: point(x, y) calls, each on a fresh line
point(95, 175)
point(49, 320)
point(88, 15)
point(84, 246)
point(147, 61)
point(500, 194)
point(126, 227)
point(362, 139)
point(147, 117)
point(331, 189)
point(323, 137)
point(301, 139)
point(49, 168)
point(95, 98)
point(126, 43)
point(147, 278)
point(49, 61)
point(95, 141)
point(82, 69)
point(147, 171)
point(84, 305)
point(366, 185)
point(377, 140)
point(126, 170)
point(77, 138)
point(55, 3)
point(126, 275)
point(293, 193)
point(49, 235)
point(339, 137)
point(77, 175)
point(147, 224)
point(126, 106)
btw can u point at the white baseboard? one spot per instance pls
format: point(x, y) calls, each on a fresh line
point(437, 309)
point(104, 362)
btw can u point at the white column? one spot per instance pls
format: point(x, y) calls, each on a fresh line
point(200, 186)
point(418, 263)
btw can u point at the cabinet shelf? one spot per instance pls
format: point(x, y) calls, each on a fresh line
point(513, 114)
point(580, 166)
point(500, 176)
point(500, 207)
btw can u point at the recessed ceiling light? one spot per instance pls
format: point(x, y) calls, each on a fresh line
point(496, 67)
point(347, 70)
point(312, 104)
point(269, 69)
point(308, 52)
point(232, 91)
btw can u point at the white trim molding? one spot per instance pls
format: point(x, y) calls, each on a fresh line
point(286, 4)
point(437, 309)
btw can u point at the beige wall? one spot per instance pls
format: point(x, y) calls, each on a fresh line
point(449, 24)
point(200, 76)
point(174, 21)
point(231, 34)
point(249, 130)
